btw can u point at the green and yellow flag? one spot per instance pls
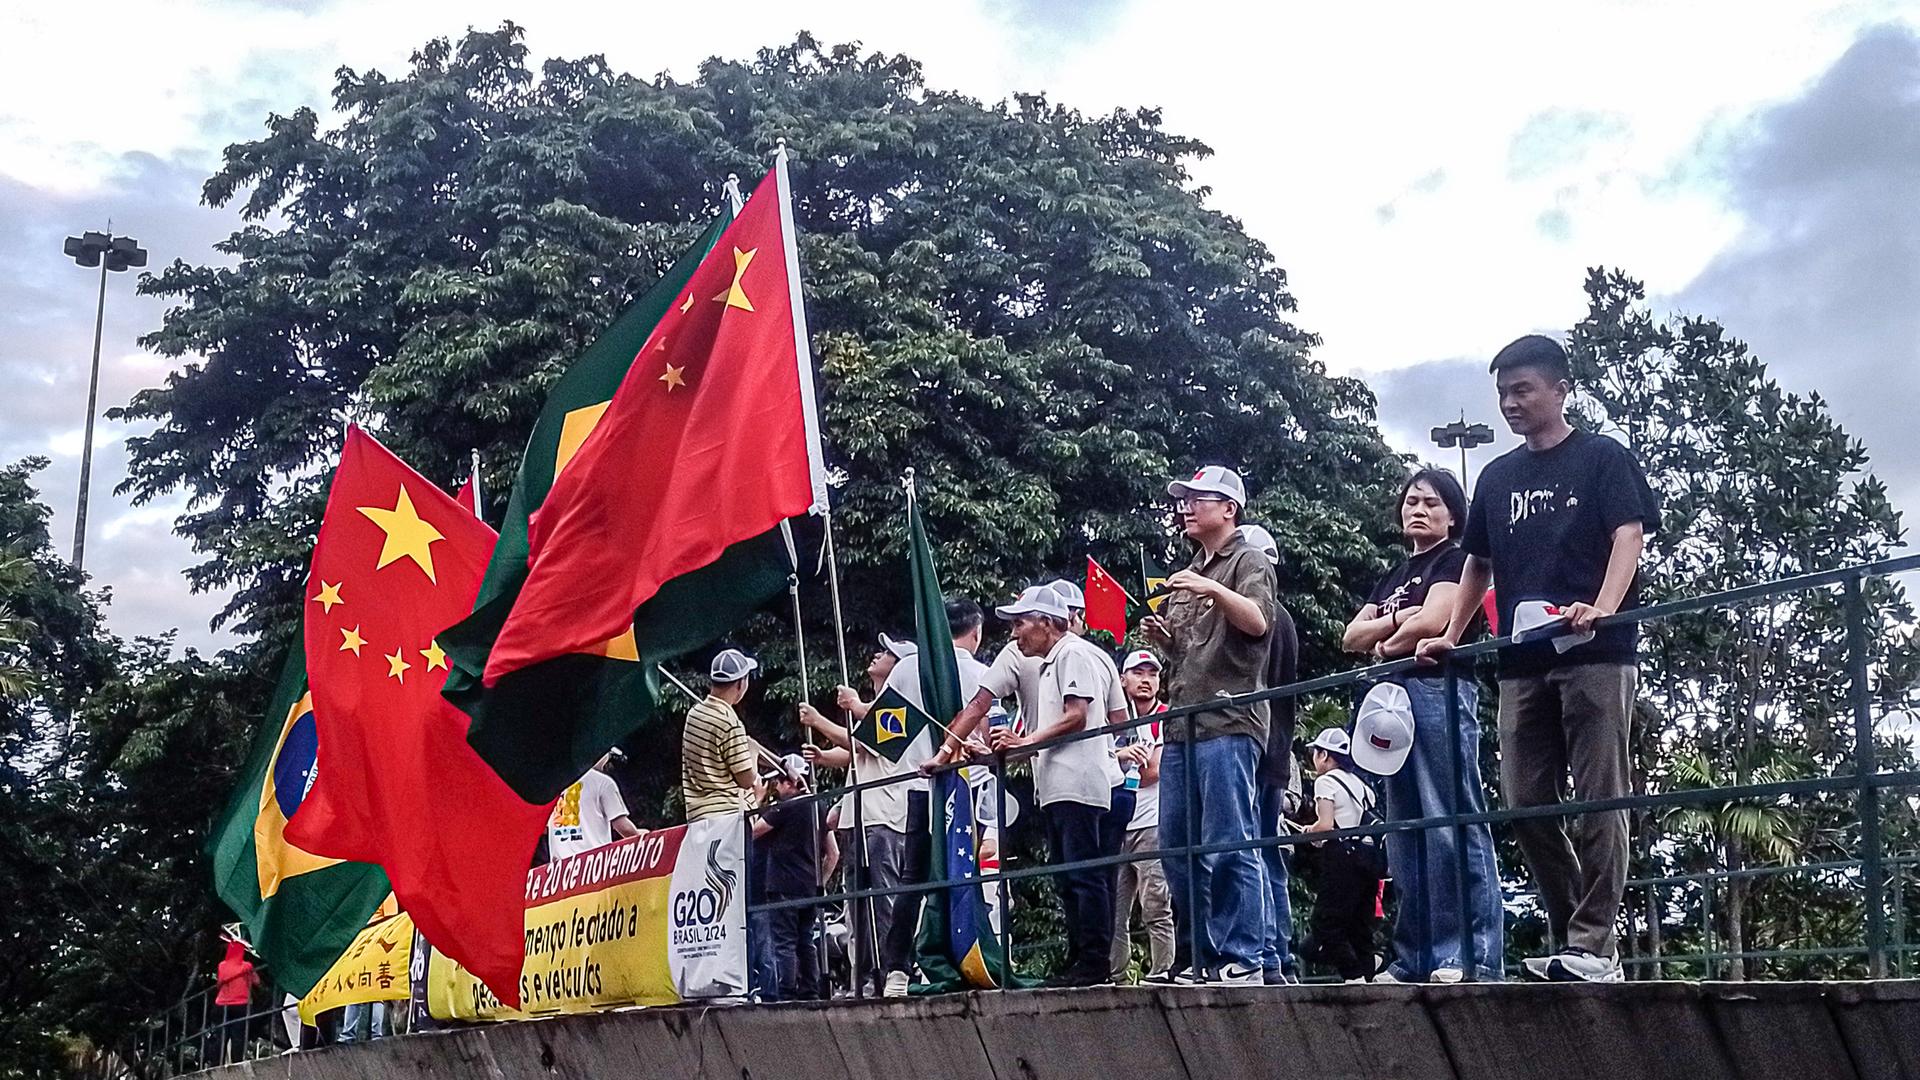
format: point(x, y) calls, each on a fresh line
point(301, 910)
point(891, 725)
point(541, 727)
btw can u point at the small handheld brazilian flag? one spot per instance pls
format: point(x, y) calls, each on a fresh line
point(892, 725)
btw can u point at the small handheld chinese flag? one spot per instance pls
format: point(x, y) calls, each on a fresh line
point(1106, 602)
point(395, 782)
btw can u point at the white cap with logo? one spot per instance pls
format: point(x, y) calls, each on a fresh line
point(1036, 600)
point(1141, 658)
point(901, 649)
point(1070, 593)
point(1535, 615)
point(1211, 480)
point(1383, 730)
point(1259, 539)
point(732, 665)
point(1333, 740)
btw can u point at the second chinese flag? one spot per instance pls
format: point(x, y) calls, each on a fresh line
point(395, 782)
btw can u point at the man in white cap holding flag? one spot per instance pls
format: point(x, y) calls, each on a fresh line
point(1215, 626)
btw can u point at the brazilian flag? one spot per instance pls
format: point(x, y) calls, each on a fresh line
point(956, 948)
point(542, 727)
point(892, 725)
point(301, 911)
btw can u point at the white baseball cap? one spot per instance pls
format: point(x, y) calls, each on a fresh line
point(1211, 480)
point(1383, 730)
point(1141, 658)
point(899, 647)
point(1258, 538)
point(1036, 600)
point(732, 665)
point(1070, 593)
point(1533, 615)
point(1333, 740)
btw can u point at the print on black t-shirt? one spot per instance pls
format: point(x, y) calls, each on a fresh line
point(1546, 520)
point(1406, 586)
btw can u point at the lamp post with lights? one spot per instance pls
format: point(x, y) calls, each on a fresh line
point(111, 254)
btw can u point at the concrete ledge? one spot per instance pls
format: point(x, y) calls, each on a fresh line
point(1657, 1031)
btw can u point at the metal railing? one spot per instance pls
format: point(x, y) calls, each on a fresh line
point(167, 1047)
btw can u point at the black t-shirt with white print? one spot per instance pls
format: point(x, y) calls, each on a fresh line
point(1546, 520)
point(1406, 586)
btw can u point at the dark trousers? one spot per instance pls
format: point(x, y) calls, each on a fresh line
point(795, 960)
point(1340, 935)
point(896, 952)
point(1074, 832)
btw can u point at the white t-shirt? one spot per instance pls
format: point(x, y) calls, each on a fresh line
point(1015, 674)
point(1146, 798)
point(1350, 796)
point(887, 806)
point(582, 819)
point(1083, 771)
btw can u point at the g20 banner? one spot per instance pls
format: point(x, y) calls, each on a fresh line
point(652, 920)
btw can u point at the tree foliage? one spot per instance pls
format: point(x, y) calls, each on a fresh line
point(1033, 308)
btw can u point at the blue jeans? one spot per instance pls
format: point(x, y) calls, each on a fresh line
point(377, 1021)
point(1428, 929)
point(762, 967)
point(1276, 958)
point(1229, 905)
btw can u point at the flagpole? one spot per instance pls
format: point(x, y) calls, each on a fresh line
point(473, 477)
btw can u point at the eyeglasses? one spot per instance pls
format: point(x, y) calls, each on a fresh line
point(1187, 502)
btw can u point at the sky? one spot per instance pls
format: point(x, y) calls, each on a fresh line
point(1434, 178)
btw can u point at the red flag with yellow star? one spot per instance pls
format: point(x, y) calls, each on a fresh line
point(711, 440)
point(394, 781)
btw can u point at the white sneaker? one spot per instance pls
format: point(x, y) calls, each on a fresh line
point(1386, 975)
point(896, 984)
point(1233, 975)
point(1537, 967)
point(1579, 965)
point(1448, 976)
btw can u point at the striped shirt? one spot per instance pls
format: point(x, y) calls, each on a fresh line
point(714, 747)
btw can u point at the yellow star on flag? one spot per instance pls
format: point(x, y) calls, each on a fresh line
point(685, 304)
point(435, 656)
point(397, 666)
point(735, 296)
point(673, 377)
point(407, 535)
point(329, 596)
point(351, 639)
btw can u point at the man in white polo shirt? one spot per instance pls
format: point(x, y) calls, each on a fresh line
point(1074, 782)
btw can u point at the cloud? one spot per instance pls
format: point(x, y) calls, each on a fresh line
point(47, 310)
point(1559, 139)
point(1823, 278)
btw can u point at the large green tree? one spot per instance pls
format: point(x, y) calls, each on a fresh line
point(1033, 308)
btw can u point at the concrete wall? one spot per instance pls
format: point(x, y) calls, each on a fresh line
point(1656, 1031)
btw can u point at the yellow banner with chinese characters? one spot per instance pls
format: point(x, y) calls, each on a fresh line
point(374, 968)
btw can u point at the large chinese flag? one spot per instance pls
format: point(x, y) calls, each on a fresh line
point(1106, 602)
point(395, 782)
point(711, 440)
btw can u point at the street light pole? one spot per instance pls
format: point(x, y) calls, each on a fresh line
point(1465, 436)
point(108, 252)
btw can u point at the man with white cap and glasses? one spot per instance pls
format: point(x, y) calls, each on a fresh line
point(1076, 783)
point(1142, 883)
point(1414, 601)
point(1215, 626)
point(717, 774)
point(1276, 774)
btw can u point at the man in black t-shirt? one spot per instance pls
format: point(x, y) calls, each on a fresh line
point(785, 860)
point(1563, 520)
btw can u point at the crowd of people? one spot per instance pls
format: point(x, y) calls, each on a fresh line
point(1557, 524)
